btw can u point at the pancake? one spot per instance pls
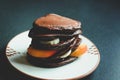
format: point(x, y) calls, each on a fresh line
point(36, 44)
point(54, 38)
point(55, 25)
point(56, 22)
point(49, 63)
point(39, 32)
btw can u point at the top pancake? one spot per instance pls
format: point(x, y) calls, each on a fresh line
point(56, 22)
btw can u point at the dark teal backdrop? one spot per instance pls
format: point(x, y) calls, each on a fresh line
point(100, 23)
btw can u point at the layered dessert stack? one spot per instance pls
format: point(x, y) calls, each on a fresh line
point(55, 41)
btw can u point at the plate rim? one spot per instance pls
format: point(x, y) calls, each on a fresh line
point(78, 77)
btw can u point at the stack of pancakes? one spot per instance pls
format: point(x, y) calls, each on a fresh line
point(54, 39)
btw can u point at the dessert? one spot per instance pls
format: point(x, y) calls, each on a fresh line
point(55, 41)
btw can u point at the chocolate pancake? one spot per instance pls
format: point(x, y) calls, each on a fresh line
point(50, 63)
point(56, 35)
point(56, 22)
point(40, 32)
point(63, 43)
point(55, 25)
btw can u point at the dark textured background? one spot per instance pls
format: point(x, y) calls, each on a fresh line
point(100, 23)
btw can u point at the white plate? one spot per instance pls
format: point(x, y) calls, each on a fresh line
point(83, 66)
